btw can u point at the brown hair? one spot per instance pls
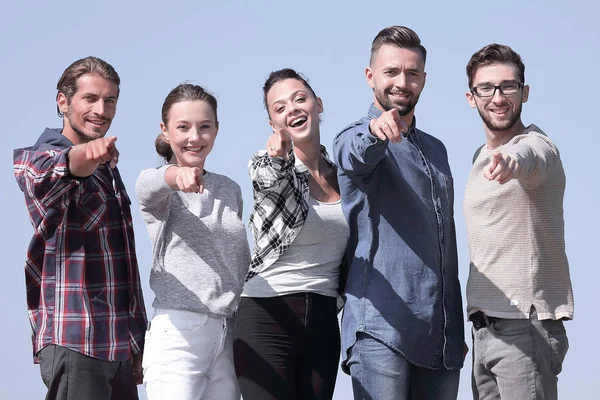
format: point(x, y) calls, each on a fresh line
point(281, 75)
point(494, 54)
point(183, 92)
point(399, 36)
point(67, 84)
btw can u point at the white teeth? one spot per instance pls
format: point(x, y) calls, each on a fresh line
point(194, 148)
point(297, 121)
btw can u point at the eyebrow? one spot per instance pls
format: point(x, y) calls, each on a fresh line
point(501, 82)
point(97, 95)
point(185, 121)
point(291, 96)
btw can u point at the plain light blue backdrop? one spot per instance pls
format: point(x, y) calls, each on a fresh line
point(231, 46)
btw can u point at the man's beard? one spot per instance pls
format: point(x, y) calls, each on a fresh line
point(503, 125)
point(83, 137)
point(387, 104)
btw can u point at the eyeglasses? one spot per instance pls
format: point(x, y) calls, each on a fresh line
point(506, 89)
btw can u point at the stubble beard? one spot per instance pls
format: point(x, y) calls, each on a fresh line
point(383, 99)
point(83, 137)
point(503, 125)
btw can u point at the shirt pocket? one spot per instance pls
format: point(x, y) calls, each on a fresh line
point(92, 211)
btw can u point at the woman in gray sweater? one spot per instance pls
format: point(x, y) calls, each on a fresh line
point(200, 256)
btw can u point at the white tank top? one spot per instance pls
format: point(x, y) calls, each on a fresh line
point(312, 262)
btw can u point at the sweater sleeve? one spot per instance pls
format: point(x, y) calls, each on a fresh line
point(153, 192)
point(537, 156)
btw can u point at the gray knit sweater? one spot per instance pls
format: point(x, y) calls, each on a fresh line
point(199, 244)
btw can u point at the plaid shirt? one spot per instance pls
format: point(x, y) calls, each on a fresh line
point(281, 195)
point(81, 272)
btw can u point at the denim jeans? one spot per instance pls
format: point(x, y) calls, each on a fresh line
point(287, 347)
point(69, 375)
point(518, 359)
point(188, 356)
point(381, 373)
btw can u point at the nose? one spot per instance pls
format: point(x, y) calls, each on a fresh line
point(194, 134)
point(498, 97)
point(99, 107)
point(400, 80)
point(292, 108)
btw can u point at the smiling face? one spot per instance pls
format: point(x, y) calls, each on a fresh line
point(89, 113)
point(397, 77)
point(190, 131)
point(499, 112)
point(293, 108)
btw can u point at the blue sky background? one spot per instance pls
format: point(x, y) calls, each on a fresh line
point(230, 47)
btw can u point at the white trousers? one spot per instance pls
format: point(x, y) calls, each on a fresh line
point(189, 356)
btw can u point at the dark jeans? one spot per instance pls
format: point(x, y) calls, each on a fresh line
point(287, 347)
point(69, 375)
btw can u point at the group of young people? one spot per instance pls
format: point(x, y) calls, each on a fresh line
point(370, 230)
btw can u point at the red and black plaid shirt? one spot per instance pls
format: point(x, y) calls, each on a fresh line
point(83, 284)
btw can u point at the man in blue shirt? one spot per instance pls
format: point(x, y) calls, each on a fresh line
point(402, 329)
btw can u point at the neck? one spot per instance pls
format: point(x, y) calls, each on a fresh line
point(70, 133)
point(309, 152)
point(495, 138)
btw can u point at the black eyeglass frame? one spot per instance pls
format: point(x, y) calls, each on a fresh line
point(520, 86)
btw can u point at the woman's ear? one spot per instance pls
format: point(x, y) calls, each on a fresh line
point(165, 131)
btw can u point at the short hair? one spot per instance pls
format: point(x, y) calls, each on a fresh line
point(494, 54)
point(399, 36)
point(281, 75)
point(67, 84)
point(182, 92)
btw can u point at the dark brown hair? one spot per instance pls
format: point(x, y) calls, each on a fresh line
point(183, 92)
point(67, 84)
point(399, 36)
point(281, 75)
point(494, 54)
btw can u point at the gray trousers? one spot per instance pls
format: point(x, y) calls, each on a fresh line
point(69, 375)
point(518, 359)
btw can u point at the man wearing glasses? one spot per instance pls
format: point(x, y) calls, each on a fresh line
point(519, 289)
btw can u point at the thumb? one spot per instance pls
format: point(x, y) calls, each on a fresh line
point(199, 180)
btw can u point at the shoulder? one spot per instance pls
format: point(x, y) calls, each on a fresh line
point(223, 180)
point(354, 126)
point(535, 137)
point(432, 140)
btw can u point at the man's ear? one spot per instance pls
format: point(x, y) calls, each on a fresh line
point(62, 102)
point(369, 76)
point(525, 94)
point(471, 99)
point(320, 104)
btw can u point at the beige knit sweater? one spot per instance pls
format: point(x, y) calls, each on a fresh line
point(516, 234)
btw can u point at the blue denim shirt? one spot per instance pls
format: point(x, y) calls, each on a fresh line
point(403, 286)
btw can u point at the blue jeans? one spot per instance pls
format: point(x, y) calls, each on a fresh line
point(381, 373)
point(518, 359)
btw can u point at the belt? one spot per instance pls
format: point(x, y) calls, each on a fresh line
point(480, 320)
